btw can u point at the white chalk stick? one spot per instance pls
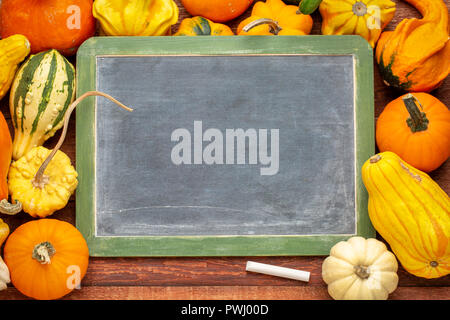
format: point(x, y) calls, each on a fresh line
point(277, 271)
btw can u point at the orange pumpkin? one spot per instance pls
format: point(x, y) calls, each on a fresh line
point(47, 258)
point(5, 156)
point(48, 24)
point(417, 128)
point(217, 10)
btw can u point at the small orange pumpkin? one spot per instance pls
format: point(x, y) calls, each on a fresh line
point(47, 258)
point(48, 24)
point(420, 136)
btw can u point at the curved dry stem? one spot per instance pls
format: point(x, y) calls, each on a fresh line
point(274, 26)
point(10, 208)
point(38, 178)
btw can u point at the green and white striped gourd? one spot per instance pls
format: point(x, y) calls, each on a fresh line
point(42, 90)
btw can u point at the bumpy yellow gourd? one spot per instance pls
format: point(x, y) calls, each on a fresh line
point(52, 193)
point(12, 51)
point(137, 17)
point(366, 18)
point(411, 212)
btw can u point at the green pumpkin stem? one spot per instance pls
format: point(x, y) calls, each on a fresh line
point(418, 120)
point(43, 252)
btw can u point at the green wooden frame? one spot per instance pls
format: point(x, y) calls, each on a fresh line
point(260, 245)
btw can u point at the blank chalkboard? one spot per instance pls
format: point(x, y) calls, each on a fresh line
point(236, 145)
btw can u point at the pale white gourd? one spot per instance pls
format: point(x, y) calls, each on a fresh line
point(4, 275)
point(360, 269)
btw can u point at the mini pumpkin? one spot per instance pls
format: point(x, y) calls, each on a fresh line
point(360, 269)
point(274, 17)
point(417, 128)
point(415, 57)
point(47, 258)
point(200, 26)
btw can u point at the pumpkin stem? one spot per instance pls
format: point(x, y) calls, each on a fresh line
point(43, 252)
point(359, 9)
point(418, 120)
point(274, 26)
point(40, 180)
point(375, 158)
point(10, 208)
point(434, 264)
point(362, 272)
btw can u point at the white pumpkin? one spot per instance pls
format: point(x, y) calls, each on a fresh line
point(360, 269)
point(4, 275)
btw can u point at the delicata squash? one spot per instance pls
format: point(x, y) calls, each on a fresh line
point(411, 212)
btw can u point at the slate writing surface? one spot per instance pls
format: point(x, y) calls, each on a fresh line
point(309, 99)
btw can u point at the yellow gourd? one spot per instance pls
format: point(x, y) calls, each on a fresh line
point(360, 269)
point(274, 17)
point(411, 212)
point(13, 50)
point(42, 198)
point(366, 18)
point(137, 17)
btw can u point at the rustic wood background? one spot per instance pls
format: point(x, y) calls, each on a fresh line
point(225, 277)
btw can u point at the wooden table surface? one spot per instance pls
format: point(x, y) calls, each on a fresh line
point(225, 277)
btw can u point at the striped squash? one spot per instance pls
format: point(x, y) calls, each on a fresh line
point(411, 212)
point(41, 92)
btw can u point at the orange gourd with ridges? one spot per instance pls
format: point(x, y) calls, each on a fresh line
point(5, 156)
point(416, 55)
point(48, 24)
